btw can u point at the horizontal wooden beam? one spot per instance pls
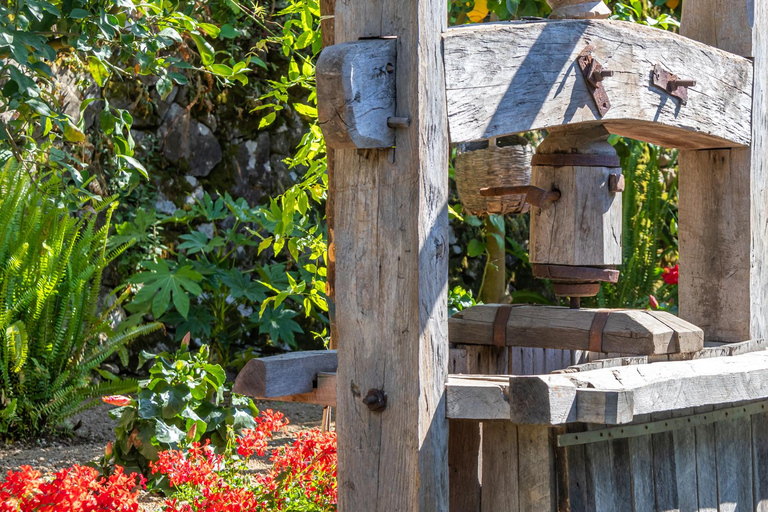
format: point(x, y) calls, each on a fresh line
point(637, 332)
point(324, 392)
point(286, 374)
point(505, 78)
point(611, 395)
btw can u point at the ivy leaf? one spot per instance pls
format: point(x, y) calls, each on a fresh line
point(163, 284)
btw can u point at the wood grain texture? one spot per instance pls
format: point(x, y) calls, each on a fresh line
point(356, 93)
point(733, 437)
point(641, 462)
point(507, 78)
point(284, 374)
point(536, 478)
point(391, 240)
point(500, 467)
point(583, 227)
point(323, 394)
point(626, 332)
point(760, 461)
point(706, 464)
point(611, 395)
point(723, 194)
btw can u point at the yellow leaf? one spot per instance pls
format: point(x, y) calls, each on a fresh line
point(480, 11)
point(672, 4)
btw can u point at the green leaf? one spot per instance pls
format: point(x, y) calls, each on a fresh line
point(98, 70)
point(211, 30)
point(164, 87)
point(475, 248)
point(205, 49)
point(222, 69)
point(16, 344)
point(228, 32)
point(278, 323)
point(197, 241)
point(72, 133)
point(78, 14)
point(162, 284)
point(305, 110)
point(267, 120)
point(168, 434)
point(135, 164)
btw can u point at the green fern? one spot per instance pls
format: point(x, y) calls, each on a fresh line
point(52, 336)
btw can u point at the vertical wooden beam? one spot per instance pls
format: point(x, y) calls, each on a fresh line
point(724, 193)
point(391, 240)
point(328, 33)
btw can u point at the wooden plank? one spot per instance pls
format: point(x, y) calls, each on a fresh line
point(608, 470)
point(536, 483)
point(323, 394)
point(285, 374)
point(356, 85)
point(760, 460)
point(507, 78)
point(625, 332)
point(463, 463)
point(641, 463)
point(611, 395)
point(734, 464)
point(706, 464)
point(664, 477)
point(684, 443)
point(500, 471)
point(581, 496)
point(723, 194)
point(391, 249)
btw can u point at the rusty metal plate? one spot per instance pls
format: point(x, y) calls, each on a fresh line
point(575, 160)
point(594, 73)
point(671, 83)
point(566, 274)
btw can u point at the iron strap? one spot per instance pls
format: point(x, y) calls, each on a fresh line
point(596, 331)
point(655, 427)
point(500, 325)
point(575, 160)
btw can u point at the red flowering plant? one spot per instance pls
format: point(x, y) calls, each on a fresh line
point(74, 489)
point(665, 297)
point(302, 477)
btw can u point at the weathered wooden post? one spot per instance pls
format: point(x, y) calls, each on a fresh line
point(724, 192)
point(391, 242)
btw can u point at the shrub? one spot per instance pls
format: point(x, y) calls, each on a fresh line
point(182, 401)
point(75, 489)
point(302, 477)
point(52, 339)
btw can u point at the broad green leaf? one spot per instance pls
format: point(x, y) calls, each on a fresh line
point(205, 49)
point(98, 70)
point(475, 248)
point(135, 164)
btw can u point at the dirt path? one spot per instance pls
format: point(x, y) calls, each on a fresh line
point(96, 430)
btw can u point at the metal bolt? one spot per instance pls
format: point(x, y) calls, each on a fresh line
point(399, 122)
point(616, 183)
point(674, 84)
point(376, 400)
point(390, 68)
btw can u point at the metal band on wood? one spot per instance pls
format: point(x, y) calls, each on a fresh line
point(575, 160)
point(596, 331)
point(500, 325)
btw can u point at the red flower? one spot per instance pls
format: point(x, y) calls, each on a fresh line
point(670, 274)
point(654, 302)
point(116, 400)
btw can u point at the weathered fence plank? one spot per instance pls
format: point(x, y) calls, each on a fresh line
point(641, 461)
point(391, 242)
point(500, 467)
point(733, 437)
point(706, 464)
point(512, 77)
point(723, 193)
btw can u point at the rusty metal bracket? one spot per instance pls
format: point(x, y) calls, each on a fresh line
point(594, 73)
point(671, 83)
point(533, 195)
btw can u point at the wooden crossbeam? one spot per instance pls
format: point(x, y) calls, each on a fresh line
point(512, 77)
point(611, 395)
point(284, 374)
point(506, 78)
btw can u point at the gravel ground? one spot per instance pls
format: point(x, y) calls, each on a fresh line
point(96, 430)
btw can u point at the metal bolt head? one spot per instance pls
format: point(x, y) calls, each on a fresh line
point(376, 400)
point(616, 183)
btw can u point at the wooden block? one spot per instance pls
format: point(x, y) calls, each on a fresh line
point(507, 78)
point(323, 394)
point(626, 331)
point(500, 470)
point(287, 374)
point(356, 93)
